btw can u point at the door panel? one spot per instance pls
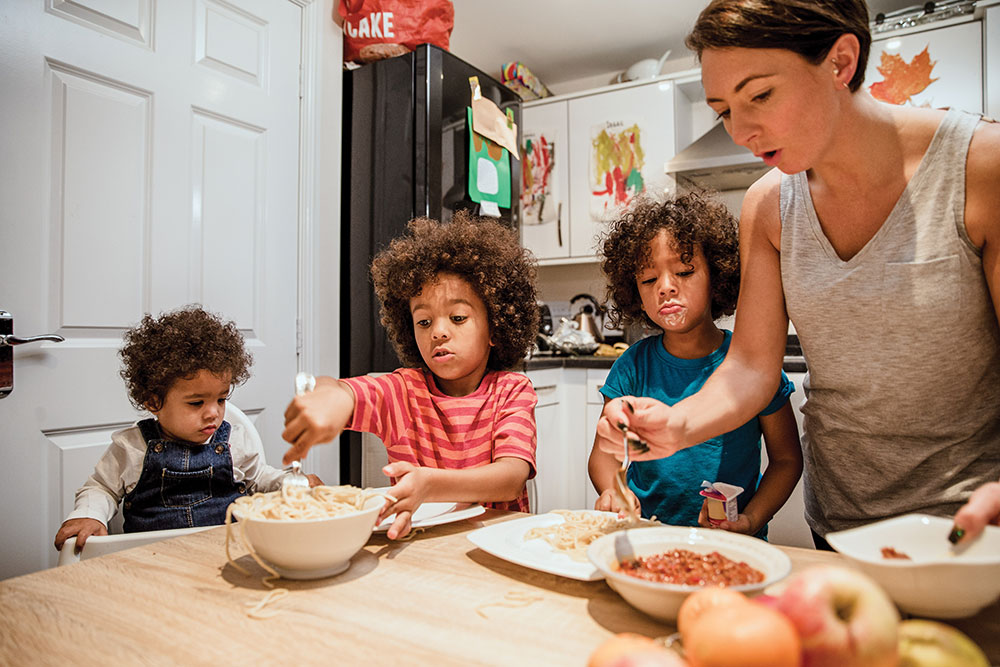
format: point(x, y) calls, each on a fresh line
point(142, 172)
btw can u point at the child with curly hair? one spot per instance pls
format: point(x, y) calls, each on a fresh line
point(674, 265)
point(185, 465)
point(458, 302)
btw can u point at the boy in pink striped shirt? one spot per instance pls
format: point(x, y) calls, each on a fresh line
point(458, 302)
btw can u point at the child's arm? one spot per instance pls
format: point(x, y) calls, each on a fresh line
point(499, 481)
point(317, 416)
point(784, 466)
point(97, 500)
point(603, 469)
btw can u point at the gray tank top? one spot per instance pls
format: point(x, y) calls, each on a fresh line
point(902, 409)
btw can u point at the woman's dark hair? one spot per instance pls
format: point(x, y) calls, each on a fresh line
point(806, 27)
point(691, 219)
point(176, 345)
point(482, 252)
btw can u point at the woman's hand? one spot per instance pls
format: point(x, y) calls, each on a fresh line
point(81, 529)
point(743, 524)
point(610, 501)
point(655, 423)
point(982, 509)
point(411, 489)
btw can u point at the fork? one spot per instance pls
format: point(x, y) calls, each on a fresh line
point(620, 477)
point(304, 382)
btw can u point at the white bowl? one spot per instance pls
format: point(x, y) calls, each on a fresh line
point(663, 600)
point(939, 581)
point(312, 548)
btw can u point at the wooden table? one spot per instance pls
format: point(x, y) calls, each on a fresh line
point(419, 602)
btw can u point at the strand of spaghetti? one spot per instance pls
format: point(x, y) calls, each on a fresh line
point(576, 532)
point(512, 599)
point(257, 611)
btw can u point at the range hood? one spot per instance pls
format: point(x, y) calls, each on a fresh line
point(714, 162)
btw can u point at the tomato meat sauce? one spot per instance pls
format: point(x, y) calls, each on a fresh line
point(687, 568)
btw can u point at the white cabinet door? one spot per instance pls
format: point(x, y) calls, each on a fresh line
point(595, 406)
point(552, 479)
point(992, 22)
point(545, 186)
point(619, 143)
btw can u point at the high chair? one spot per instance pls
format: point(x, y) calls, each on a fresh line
point(99, 545)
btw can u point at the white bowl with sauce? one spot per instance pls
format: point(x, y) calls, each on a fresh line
point(662, 600)
point(312, 548)
point(937, 580)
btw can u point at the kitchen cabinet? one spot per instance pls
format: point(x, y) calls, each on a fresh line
point(545, 190)
point(595, 406)
point(616, 141)
point(992, 23)
point(549, 489)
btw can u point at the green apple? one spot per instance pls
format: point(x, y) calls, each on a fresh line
point(932, 644)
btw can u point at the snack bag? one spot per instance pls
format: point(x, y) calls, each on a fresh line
point(375, 29)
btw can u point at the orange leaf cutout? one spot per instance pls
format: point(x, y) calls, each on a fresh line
point(902, 80)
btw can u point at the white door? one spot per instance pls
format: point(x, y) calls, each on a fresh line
point(545, 192)
point(150, 160)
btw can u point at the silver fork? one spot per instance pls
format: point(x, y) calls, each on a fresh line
point(304, 382)
point(620, 476)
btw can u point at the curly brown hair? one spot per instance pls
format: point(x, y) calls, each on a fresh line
point(484, 253)
point(692, 219)
point(176, 345)
point(806, 27)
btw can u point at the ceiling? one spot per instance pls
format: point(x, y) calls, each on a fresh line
point(565, 40)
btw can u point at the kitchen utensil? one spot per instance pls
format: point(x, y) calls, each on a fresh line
point(586, 317)
point(304, 382)
point(644, 69)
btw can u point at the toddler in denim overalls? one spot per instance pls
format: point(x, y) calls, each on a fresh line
point(183, 467)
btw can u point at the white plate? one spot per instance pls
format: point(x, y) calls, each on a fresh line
point(432, 514)
point(506, 540)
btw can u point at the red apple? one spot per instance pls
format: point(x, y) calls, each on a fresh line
point(842, 616)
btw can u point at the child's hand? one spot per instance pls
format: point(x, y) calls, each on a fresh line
point(610, 502)
point(82, 529)
point(741, 525)
point(314, 480)
point(410, 490)
point(317, 416)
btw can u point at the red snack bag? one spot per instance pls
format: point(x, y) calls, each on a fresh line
point(407, 23)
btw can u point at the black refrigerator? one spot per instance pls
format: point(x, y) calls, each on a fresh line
point(405, 154)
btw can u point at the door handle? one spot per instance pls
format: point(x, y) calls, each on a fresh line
point(7, 341)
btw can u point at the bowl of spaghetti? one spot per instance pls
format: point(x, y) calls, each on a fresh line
point(300, 533)
point(655, 569)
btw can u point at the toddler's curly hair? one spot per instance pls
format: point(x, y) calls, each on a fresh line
point(485, 254)
point(176, 345)
point(691, 219)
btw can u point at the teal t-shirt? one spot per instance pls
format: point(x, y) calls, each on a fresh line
point(668, 488)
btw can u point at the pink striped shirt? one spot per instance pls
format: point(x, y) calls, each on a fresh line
point(421, 425)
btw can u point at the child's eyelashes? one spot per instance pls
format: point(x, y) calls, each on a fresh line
point(458, 319)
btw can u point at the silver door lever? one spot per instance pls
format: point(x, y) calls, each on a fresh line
point(9, 340)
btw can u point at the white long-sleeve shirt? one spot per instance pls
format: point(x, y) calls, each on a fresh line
point(118, 470)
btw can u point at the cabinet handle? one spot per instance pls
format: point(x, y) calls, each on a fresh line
point(546, 387)
point(559, 223)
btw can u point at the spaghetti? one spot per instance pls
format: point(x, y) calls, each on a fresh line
point(576, 532)
point(291, 503)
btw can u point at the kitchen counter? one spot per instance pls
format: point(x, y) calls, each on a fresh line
point(548, 360)
point(436, 599)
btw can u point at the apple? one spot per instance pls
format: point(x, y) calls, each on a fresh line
point(842, 616)
point(932, 644)
point(628, 649)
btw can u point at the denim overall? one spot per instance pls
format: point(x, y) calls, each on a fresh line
point(181, 484)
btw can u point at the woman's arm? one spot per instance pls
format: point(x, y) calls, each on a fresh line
point(744, 383)
point(982, 202)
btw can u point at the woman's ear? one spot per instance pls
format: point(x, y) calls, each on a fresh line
point(843, 59)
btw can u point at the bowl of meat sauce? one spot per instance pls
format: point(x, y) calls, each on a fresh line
point(654, 569)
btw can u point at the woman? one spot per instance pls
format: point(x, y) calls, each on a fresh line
point(878, 235)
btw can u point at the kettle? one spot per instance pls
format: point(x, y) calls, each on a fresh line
point(586, 317)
